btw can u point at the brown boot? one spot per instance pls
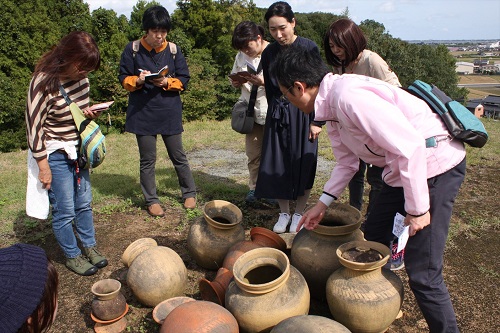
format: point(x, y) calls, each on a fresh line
point(190, 203)
point(155, 210)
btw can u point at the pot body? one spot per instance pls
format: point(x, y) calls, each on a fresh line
point(208, 245)
point(309, 324)
point(157, 274)
point(313, 251)
point(266, 290)
point(210, 237)
point(199, 317)
point(365, 298)
point(109, 309)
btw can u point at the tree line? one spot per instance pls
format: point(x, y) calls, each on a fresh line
point(201, 28)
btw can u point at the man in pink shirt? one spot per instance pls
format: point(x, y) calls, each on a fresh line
point(424, 167)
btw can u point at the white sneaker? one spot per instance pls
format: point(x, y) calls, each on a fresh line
point(295, 222)
point(280, 226)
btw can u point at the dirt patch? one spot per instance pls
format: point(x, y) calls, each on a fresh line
point(471, 261)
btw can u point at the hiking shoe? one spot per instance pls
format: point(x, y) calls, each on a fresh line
point(270, 202)
point(295, 223)
point(95, 257)
point(250, 198)
point(155, 210)
point(280, 226)
point(190, 203)
point(81, 266)
point(397, 258)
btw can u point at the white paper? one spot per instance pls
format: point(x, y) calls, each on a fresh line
point(401, 231)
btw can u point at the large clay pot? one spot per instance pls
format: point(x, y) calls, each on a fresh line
point(161, 311)
point(266, 290)
point(309, 324)
point(210, 238)
point(215, 291)
point(199, 317)
point(135, 248)
point(362, 295)
point(157, 274)
point(313, 252)
point(108, 303)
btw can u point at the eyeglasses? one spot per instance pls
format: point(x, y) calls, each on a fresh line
point(283, 96)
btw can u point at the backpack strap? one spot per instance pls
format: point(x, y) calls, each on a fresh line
point(137, 43)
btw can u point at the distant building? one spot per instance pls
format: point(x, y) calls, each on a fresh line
point(491, 106)
point(464, 68)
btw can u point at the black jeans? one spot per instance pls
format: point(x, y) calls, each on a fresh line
point(357, 185)
point(424, 251)
point(147, 151)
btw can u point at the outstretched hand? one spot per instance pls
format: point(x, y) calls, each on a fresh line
point(313, 216)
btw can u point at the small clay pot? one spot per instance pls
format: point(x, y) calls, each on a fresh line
point(199, 317)
point(108, 303)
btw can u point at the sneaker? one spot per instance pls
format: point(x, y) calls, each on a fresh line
point(155, 210)
point(250, 198)
point(397, 258)
point(295, 223)
point(95, 257)
point(280, 226)
point(81, 266)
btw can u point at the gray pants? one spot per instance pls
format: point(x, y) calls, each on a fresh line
point(147, 152)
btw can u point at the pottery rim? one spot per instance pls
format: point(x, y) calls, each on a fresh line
point(162, 309)
point(362, 266)
point(338, 230)
point(106, 289)
point(135, 248)
point(265, 236)
point(256, 258)
point(222, 207)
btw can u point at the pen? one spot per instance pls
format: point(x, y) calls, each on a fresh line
point(141, 70)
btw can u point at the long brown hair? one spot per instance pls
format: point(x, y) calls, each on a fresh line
point(78, 48)
point(44, 314)
point(347, 35)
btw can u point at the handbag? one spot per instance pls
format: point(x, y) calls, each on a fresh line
point(242, 115)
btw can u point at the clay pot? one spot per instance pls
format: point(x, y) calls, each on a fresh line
point(210, 238)
point(215, 291)
point(266, 290)
point(313, 251)
point(135, 248)
point(363, 296)
point(309, 324)
point(199, 317)
point(161, 311)
point(157, 274)
point(108, 303)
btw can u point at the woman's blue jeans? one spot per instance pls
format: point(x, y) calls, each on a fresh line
point(71, 202)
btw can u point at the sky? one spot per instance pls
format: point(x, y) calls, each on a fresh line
point(404, 19)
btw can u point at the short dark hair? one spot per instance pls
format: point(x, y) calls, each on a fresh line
point(156, 17)
point(345, 34)
point(245, 32)
point(296, 63)
point(281, 9)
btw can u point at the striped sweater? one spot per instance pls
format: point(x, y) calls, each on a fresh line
point(48, 116)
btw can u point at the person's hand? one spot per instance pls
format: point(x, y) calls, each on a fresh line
point(417, 223)
point(235, 83)
point(161, 82)
point(142, 77)
point(44, 174)
point(256, 80)
point(312, 217)
point(92, 114)
point(314, 131)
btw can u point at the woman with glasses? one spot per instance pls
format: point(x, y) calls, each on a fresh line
point(290, 147)
point(53, 139)
point(155, 107)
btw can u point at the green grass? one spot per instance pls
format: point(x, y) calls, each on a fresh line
point(116, 186)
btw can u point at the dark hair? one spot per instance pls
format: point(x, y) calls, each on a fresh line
point(245, 32)
point(156, 17)
point(345, 34)
point(296, 63)
point(281, 9)
point(43, 316)
point(78, 48)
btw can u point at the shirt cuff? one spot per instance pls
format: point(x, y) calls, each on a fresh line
point(327, 199)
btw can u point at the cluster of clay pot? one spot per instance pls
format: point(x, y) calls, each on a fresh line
point(257, 288)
